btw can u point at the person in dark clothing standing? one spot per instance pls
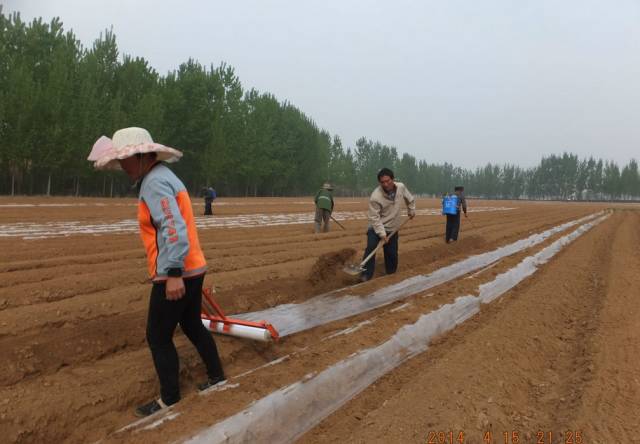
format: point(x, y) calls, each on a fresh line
point(452, 205)
point(209, 197)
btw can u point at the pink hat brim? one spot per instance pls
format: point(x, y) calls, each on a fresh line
point(100, 149)
point(107, 157)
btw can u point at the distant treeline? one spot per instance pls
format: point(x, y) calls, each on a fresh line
point(57, 98)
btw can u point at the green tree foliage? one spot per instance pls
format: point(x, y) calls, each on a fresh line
point(629, 179)
point(57, 98)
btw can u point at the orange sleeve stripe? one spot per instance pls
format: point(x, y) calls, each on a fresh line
point(148, 236)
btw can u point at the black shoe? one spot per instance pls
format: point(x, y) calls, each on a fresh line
point(211, 382)
point(150, 408)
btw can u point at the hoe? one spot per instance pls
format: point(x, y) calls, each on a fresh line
point(356, 269)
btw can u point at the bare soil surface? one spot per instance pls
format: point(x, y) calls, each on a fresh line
point(557, 353)
point(557, 360)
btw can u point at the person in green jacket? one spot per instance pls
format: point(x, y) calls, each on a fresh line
point(324, 207)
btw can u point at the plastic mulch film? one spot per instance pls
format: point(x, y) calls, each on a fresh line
point(288, 413)
point(328, 307)
point(509, 279)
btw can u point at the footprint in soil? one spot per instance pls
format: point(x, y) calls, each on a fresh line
point(326, 268)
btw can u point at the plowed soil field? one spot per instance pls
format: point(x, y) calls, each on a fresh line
point(556, 357)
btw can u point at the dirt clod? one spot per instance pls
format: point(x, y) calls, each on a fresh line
point(329, 264)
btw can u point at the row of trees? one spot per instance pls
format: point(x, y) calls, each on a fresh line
point(555, 177)
point(57, 98)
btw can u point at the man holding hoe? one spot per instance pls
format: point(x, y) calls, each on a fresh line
point(385, 204)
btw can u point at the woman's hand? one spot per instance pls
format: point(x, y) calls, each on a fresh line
point(174, 288)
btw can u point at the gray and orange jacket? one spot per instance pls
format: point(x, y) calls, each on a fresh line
point(167, 226)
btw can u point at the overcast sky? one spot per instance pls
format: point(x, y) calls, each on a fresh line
point(460, 81)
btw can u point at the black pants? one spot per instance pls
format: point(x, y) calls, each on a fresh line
point(390, 254)
point(208, 210)
point(164, 316)
point(453, 227)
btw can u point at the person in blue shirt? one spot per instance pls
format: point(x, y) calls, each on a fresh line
point(452, 205)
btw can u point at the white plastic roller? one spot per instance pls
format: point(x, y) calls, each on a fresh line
point(240, 331)
point(214, 319)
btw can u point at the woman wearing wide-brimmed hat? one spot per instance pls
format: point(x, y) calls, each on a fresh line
point(175, 261)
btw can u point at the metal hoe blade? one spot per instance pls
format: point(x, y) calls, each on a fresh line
point(353, 269)
point(356, 269)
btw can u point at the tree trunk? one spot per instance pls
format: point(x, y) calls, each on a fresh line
point(111, 193)
point(13, 184)
point(77, 186)
point(104, 186)
point(49, 185)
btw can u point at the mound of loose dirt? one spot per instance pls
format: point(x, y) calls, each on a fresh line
point(328, 264)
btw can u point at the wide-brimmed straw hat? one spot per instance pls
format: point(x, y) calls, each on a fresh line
point(327, 186)
point(125, 143)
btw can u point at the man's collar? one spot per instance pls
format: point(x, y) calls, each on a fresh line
point(391, 193)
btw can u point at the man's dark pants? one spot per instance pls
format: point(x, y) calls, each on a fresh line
point(164, 316)
point(390, 254)
point(208, 210)
point(453, 227)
